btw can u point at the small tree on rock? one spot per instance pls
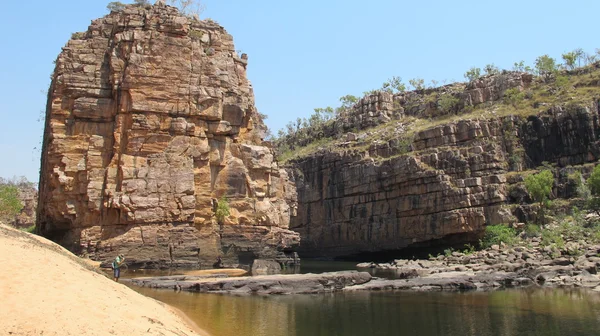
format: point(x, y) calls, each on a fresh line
point(394, 85)
point(545, 66)
point(417, 83)
point(473, 74)
point(141, 3)
point(115, 6)
point(570, 58)
point(491, 69)
point(539, 186)
point(347, 102)
point(222, 210)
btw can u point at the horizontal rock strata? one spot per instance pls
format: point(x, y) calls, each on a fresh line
point(150, 121)
point(443, 184)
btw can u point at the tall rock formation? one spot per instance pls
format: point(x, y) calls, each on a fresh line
point(150, 121)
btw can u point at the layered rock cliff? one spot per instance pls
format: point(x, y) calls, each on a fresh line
point(428, 175)
point(150, 121)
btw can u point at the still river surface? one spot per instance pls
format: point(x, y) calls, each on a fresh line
point(503, 313)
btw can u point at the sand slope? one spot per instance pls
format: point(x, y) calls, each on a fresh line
point(46, 290)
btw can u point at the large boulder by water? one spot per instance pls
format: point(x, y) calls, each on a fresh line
point(150, 122)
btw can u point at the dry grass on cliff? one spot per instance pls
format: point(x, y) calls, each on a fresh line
point(578, 88)
point(47, 290)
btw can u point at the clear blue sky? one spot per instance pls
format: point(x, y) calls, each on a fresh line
point(302, 54)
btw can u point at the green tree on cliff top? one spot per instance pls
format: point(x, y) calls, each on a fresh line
point(545, 66)
point(473, 74)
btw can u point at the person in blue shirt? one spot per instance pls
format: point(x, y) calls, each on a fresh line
point(116, 265)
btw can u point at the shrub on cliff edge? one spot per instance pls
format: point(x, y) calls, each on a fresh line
point(115, 6)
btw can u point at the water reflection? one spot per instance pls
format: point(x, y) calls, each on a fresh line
point(515, 312)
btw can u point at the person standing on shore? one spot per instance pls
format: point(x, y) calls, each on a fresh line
point(116, 265)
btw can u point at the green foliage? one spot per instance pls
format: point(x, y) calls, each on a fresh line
point(448, 103)
point(491, 69)
point(521, 67)
point(545, 66)
point(539, 185)
point(496, 234)
point(115, 6)
point(593, 203)
point(30, 229)
point(403, 144)
point(394, 85)
point(473, 74)
point(196, 34)
point(10, 205)
point(580, 55)
point(575, 178)
point(304, 132)
point(469, 249)
point(348, 101)
point(570, 58)
point(417, 83)
point(448, 252)
point(513, 96)
point(141, 3)
point(561, 82)
point(533, 230)
point(222, 210)
point(550, 237)
point(594, 181)
point(77, 35)
point(593, 190)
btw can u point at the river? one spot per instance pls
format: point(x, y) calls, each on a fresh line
point(508, 312)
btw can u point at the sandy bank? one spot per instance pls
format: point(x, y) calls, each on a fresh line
point(47, 290)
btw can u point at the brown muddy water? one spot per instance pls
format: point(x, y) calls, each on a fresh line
point(503, 313)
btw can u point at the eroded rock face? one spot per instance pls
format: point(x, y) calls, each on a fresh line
point(150, 120)
point(450, 184)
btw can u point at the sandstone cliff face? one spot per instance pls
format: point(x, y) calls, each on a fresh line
point(151, 119)
point(443, 184)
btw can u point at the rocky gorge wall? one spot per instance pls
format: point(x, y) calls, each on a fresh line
point(442, 184)
point(150, 121)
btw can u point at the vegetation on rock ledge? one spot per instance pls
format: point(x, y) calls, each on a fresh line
point(573, 82)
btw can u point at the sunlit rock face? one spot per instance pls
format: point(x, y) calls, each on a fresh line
point(442, 185)
point(150, 121)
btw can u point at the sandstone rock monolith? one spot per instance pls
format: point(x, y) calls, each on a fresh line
point(150, 121)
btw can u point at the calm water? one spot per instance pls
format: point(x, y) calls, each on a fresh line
point(514, 312)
